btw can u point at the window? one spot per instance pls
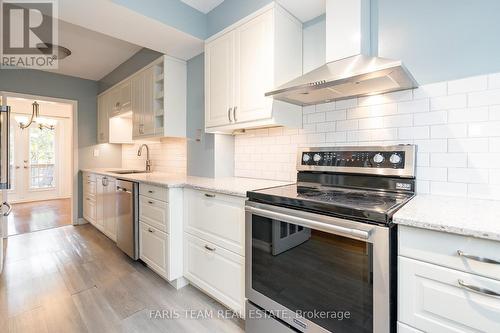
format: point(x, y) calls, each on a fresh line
point(42, 158)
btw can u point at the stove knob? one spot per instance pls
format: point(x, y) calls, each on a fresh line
point(378, 158)
point(395, 159)
point(317, 157)
point(306, 158)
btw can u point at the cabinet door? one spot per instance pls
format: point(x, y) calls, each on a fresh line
point(219, 80)
point(102, 119)
point(153, 247)
point(114, 101)
point(125, 96)
point(148, 110)
point(254, 69)
point(109, 209)
point(99, 202)
point(89, 209)
point(137, 85)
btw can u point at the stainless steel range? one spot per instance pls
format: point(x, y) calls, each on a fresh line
point(321, 254)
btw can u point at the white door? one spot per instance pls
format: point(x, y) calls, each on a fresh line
point(219, 80)
point(254, 69)
point(34, 160)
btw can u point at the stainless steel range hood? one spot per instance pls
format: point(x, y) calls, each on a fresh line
point(346, 76)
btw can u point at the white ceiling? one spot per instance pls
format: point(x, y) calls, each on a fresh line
point(203, 6)
point(93, 55)
point(304, 10)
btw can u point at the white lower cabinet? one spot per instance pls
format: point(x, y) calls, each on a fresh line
point(160, 231)
point(446, 292)
point(105, 219)
point(153, 248)
point(215, 270)
point(214, 242)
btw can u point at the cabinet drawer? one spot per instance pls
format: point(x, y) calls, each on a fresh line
point(154, 212)
point(89, 209)
point(155, 192)
point(153, 247)
point(89, 188)
point(442, 249)
point(217, 218)
point(431, 299)
point(220, 273)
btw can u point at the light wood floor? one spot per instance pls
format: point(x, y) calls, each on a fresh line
point(39, 215)
point(74, 279)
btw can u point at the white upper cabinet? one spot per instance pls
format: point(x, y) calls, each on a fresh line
point(245, 61)
point(219, 80)
point(102, 119)
point(151, 103)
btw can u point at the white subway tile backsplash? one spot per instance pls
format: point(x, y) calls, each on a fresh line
point(436, 174)
point(484, 98)
point(449, 131)
point(431, 90)
point(347, 125)
point(469, 145)
point(336, 115)
point(464, 175)
point(430, 118)
point(420, 132)
point(449, 160)
point(469, 84)
point(449, 102)
point(485, 129)
point(494, 81)
point(448, 188)
point(416, 106)
point(456, 126)
point(468, 115)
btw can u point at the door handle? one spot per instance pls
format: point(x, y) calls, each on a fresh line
point(9, 208)
point(229, 115)
point(234, 113)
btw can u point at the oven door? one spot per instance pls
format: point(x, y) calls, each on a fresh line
point(318, 273)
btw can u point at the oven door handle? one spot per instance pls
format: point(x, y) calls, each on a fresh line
point(328, 227)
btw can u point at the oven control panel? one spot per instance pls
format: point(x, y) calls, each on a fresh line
point(355, 159)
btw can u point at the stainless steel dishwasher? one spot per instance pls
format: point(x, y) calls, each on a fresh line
point(127, 217)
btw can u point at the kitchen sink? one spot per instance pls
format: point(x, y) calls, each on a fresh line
point(126, 172)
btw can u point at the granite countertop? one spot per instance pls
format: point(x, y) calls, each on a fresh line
point(236, 186)
point(464, 216)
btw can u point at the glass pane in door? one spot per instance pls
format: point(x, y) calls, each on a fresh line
point(311, 272)
point(42, 158)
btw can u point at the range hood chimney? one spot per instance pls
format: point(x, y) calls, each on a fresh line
point(350, 69)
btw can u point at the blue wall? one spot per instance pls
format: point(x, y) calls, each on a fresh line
point(441, 40)
point(200, 154)
point(229, 12)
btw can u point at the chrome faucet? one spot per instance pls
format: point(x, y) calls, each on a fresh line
point(148, 161)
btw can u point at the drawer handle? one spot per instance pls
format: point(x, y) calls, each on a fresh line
point(476, 258)
point(478, 290)
point(150, 191)
point(150, 202)
point(210, 195)
point(150, 230)
point(209, 248)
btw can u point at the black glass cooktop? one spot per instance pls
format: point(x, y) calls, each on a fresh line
point(367, 205)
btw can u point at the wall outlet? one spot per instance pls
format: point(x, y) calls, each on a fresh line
point(96, 152)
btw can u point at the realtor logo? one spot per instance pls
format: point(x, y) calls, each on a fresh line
point(28, 34)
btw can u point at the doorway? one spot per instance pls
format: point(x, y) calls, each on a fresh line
point(41, 159)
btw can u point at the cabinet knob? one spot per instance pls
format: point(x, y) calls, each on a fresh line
point(150, 202)
point(150, 191)
point(208, 195)
point(151, 230)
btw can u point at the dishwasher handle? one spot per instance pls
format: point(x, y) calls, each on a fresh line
point(122, 189)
